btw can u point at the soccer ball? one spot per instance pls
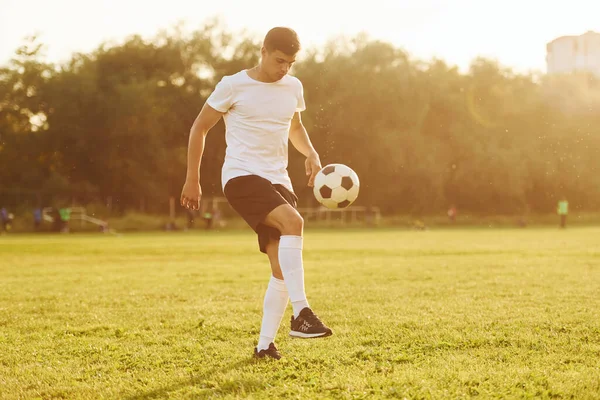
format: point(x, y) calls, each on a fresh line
point(336, 186)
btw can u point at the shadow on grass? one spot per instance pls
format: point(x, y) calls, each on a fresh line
point(193, 380)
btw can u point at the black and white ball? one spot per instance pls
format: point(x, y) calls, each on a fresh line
point(336, 186)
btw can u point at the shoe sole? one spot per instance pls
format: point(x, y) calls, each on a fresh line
point(301, 335)
point(266, 356)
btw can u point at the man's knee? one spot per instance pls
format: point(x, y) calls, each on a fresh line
point(295, 223)
point(287, 220)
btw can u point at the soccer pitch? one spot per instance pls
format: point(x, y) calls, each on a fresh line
point(437, 314)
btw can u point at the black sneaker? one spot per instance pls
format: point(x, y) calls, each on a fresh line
point(270, 352)
point(308, 325)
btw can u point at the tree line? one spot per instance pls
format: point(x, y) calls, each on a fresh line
point(421, 135)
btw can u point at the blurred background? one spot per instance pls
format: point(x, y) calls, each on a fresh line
point(447, 110)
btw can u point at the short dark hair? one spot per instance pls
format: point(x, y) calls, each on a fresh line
point(282, 39)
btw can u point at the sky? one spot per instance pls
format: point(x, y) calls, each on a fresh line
point(513, 32)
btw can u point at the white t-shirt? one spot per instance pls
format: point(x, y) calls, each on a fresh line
point(257, 118)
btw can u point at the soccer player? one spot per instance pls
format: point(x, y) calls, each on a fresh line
point(261, 107)
point(563, 210)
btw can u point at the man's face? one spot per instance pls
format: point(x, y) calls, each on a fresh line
point(276, 64)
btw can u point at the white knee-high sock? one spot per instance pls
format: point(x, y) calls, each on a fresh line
point(276, 300)
point(290, 261)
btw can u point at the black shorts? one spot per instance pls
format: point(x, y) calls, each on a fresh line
point(253, 198)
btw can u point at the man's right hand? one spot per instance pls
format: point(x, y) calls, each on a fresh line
point(191, 194)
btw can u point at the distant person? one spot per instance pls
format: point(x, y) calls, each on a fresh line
point(37, 218)
point(4, 219)
point(261, 107)
point(452, 214)
point(208, 219)
point(563, 211)
point(65, 217)
point(11, 218)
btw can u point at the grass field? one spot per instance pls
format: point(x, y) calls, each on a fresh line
point(436, 314)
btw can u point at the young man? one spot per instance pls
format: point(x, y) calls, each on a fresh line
point(261, 107)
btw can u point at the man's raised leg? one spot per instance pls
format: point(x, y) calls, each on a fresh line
point(289, 222)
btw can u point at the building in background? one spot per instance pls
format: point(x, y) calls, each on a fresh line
point(574, 53)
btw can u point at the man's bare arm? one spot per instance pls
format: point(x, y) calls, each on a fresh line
point(206, 119)
point(301, 141)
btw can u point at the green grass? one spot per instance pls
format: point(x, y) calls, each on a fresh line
point(435, 314)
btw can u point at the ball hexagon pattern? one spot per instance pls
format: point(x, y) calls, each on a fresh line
point(336, 186)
